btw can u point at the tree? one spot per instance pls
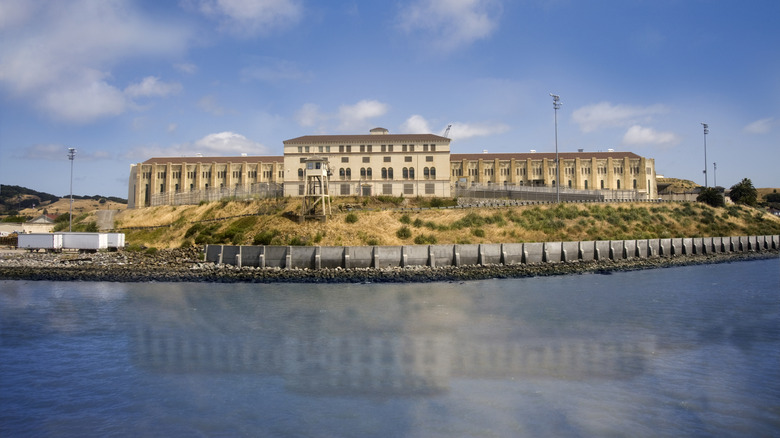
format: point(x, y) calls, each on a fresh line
point(744, 193)
point(711, 196)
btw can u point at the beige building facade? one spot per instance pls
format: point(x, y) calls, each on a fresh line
point(579, 170)
point(173, 180)
point(378, 163)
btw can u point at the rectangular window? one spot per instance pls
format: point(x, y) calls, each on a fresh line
point(341, 149)
point(408, 159)
point(425, 148)
point(387, 189)
point(433, 148)
point(362, 148)
point(303, 160)
point(429, 158)
point(430, 189)
point(389, 148)
point(384, 148)
point(369, 148)
point(345, 189)
point(349, 149)
point(300, 149)
point(300, 189)
point(386, 159)
point(345, 159)
point(366, 159)
point(408, 189)
point(404, 148)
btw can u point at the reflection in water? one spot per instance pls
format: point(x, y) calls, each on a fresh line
point(405, 340)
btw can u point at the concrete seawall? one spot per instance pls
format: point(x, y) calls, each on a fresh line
point(348, 257)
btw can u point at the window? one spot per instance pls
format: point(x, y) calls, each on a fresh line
point(386, 159)
point(430, 189)
point(405, 173)
point(300, 149)
point(389, 148)
point(300, 189)
point(349, 173)
point(411, 172)
point(569, 183)
point(362, 172)
point(634, 184)
point(342, 173)
point(433, 148)
point(407, 159)
point(344, 189)
point(383, 148)
point(404, 148)
point(411, 148)
point(369, 173)
point(408, 189)
point(433, 173)
point(426, 173)
point(429, 158)
point(586, 184)
point(341, 148)
point(387, 189)
point(425, 148)
point(300, 173)
point(602, 184)
point(618, 184)
point(362, 148)
point(390, 173)
point(384, 173)
point(345, 159)
point(366, 159)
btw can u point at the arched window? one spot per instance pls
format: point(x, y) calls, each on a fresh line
point(433, 173)
point(384, 173)
point(390, 173)
point(411, 172)
point(349, 173)
point(369, 174)
point(634, 184)
point(405, 173)
point(553, 183)
point(618, 184)
point(300, 173)
point(569, 183)
point(362, 172)
point(342, 173)
point(426, 173)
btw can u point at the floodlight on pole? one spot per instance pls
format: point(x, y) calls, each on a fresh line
point(71, 156)
point(706, 131)
point(556, 106)
point(715, 174)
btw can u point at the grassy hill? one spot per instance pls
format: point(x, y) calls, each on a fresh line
point(389, 221)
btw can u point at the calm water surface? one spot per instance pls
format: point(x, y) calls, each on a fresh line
point(689, 351)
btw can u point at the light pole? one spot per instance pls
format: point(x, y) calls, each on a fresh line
point(715, 174)
point(556, 106)
point(71, 156)
point(706, 131)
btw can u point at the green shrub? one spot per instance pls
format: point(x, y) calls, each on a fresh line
point(351, 218)
point(404, 233)
point(265, 237)
point(423, 239)
point(417, 223)
point(478, 232)
point(405, 219)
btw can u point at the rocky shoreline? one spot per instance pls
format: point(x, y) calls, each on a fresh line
point(187, 265)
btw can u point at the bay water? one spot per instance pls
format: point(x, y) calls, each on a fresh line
point(683, 351)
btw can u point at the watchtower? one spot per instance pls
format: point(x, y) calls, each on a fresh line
point(316, 197)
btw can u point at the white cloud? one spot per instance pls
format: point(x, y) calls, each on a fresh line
point(637, 136)
point(450, 24)
point(186, 68)
point(604, 114)
point(210, 105)
point(415, 124)
point(274, 70)
point(309, 115)
point(62, 54)
point(248, 18)
point(151, 86)
point(761, 126)
point(351, 117)
point(461, 131)
point(219, 144)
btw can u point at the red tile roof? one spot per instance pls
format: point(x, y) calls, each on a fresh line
point(542, 155)
point(208, 160)
point(368, 139)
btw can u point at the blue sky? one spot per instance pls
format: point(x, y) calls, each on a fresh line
point(126, 80)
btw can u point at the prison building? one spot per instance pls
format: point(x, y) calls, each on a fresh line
point(378, 163)
point(579, 170)
point(187, 180)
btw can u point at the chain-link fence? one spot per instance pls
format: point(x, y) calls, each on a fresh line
point(257, 190)
point(547, 194)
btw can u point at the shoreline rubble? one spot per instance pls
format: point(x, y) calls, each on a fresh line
point(187, 265)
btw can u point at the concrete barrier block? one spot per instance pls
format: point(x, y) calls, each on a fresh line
point(629, 249)
point(687, 246)
point(389, 256)
point(442, 255)
point(212, 253)
point(331, 257)
point(641, 248)
point(275, 256)
point(250, 255)
point(230, 254)
point(602, 250)
point(302, 257)
point(552, 251)
point(361, 256)
point(776, 241)
point(676, 247)
point(534, 252)
point(416, 255)
point(742, 244)
point(587, 250)
point(513, 253)
point(489, 253)
point(653, 247)
point(469, 254)
point(570, 251)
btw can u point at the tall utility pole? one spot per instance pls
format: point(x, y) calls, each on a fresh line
point(715, 174)
point(706, 131)
point(556, 106)
point(71, 156)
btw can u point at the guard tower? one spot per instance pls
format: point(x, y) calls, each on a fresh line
point(316, 197)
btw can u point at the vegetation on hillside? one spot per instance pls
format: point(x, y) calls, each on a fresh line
point(375, 221)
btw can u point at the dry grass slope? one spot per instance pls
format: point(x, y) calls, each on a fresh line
point(376, 222)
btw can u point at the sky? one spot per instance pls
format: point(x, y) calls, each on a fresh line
point(122, 81)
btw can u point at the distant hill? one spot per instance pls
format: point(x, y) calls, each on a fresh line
point(17, 198)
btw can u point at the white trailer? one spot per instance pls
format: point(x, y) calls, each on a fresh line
point(116, 240)
point(47, 241)
point(84, 241)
